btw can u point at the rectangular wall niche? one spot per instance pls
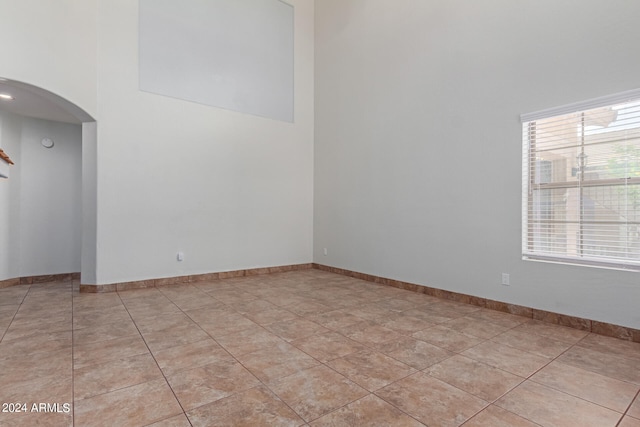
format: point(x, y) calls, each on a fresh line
point(232, 54)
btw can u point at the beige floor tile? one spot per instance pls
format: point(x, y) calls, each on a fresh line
point(13, 295)
point(23, 331)
point(460, 308)
point(604, 363)
point(210, 286)
point(561, 333)
point(371, 312)
point(174, 336)
point(105, 332)
point(180, 290)
point(549, 407)
point(8, 310)
point(56, 387)
point(504, 319)
point(316, 391)
point(23, 367)
point(431, 401)
point(251, 408)
point(605, 391)
point(177, 421)
point(370, 411)
point(444, 310)
point(138, 405)
point(229, 296)
point(116, 374)
point(297, 328)
point(370, 333)
point(396, 304)
point(277, 361)
point(370, 369)
point(203, 314)
point(336, 319)
point(93, 301)
point(104, 351)
point(271, 315)
point(634, 410)
point(205, 384)
point(211, 339)
point(100, 316)
point(158, 322)
point(40, 419)
point(45, 342)
point(610, 345)
point(494, 416)
point(284, 299)
point(142, 309)
point(426, 314)
point(28, 317)
point(447, 338)
point(507, 358)
point(629, 422)
point(248, 340)
point(328, 346)
point(532, 343)
point(193, 302)
point(403, 323)
point(222, 322)
point(252, 306)
point(309, 308)
point(475, 327)
point(192, 355)
point(479, 379)
point(415, 353)
point(141, 296)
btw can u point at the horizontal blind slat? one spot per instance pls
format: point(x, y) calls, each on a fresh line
point(581, 182)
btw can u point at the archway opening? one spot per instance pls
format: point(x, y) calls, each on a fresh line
point(48, 202)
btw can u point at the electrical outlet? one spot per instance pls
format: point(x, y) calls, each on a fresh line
point(505, 279)
point(180, 256)
point(324, 251)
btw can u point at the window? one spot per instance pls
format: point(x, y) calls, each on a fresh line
point(581, 183)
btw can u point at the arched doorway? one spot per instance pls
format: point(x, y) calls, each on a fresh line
point(30, 115)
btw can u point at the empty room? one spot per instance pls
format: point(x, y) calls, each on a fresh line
point(320, 213)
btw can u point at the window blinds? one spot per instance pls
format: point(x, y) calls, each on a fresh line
point(581, 183)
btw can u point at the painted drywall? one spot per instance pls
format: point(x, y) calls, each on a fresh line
point(225, 53)
point(89, 203)
point(418, 139)
point(50, 221)
point(229, 190)
point(52, 45)
point(10, 134)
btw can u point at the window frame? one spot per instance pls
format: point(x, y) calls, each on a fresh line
point(529, 177)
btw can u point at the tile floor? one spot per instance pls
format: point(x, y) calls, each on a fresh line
point(300, 348)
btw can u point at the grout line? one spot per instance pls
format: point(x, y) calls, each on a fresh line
point(156, 362)
point(305, 317)
point(73, 361)
point(636, 397)
point(15, 314)
point(236, 359)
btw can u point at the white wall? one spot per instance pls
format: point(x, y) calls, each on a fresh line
point(40, 203)
point(50, 198)
point(89, 203)
point(418, 139)
point(52, 45)
point(10, 133)
point(230, 190)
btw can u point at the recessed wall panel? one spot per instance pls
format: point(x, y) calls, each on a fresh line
point(233, 54)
